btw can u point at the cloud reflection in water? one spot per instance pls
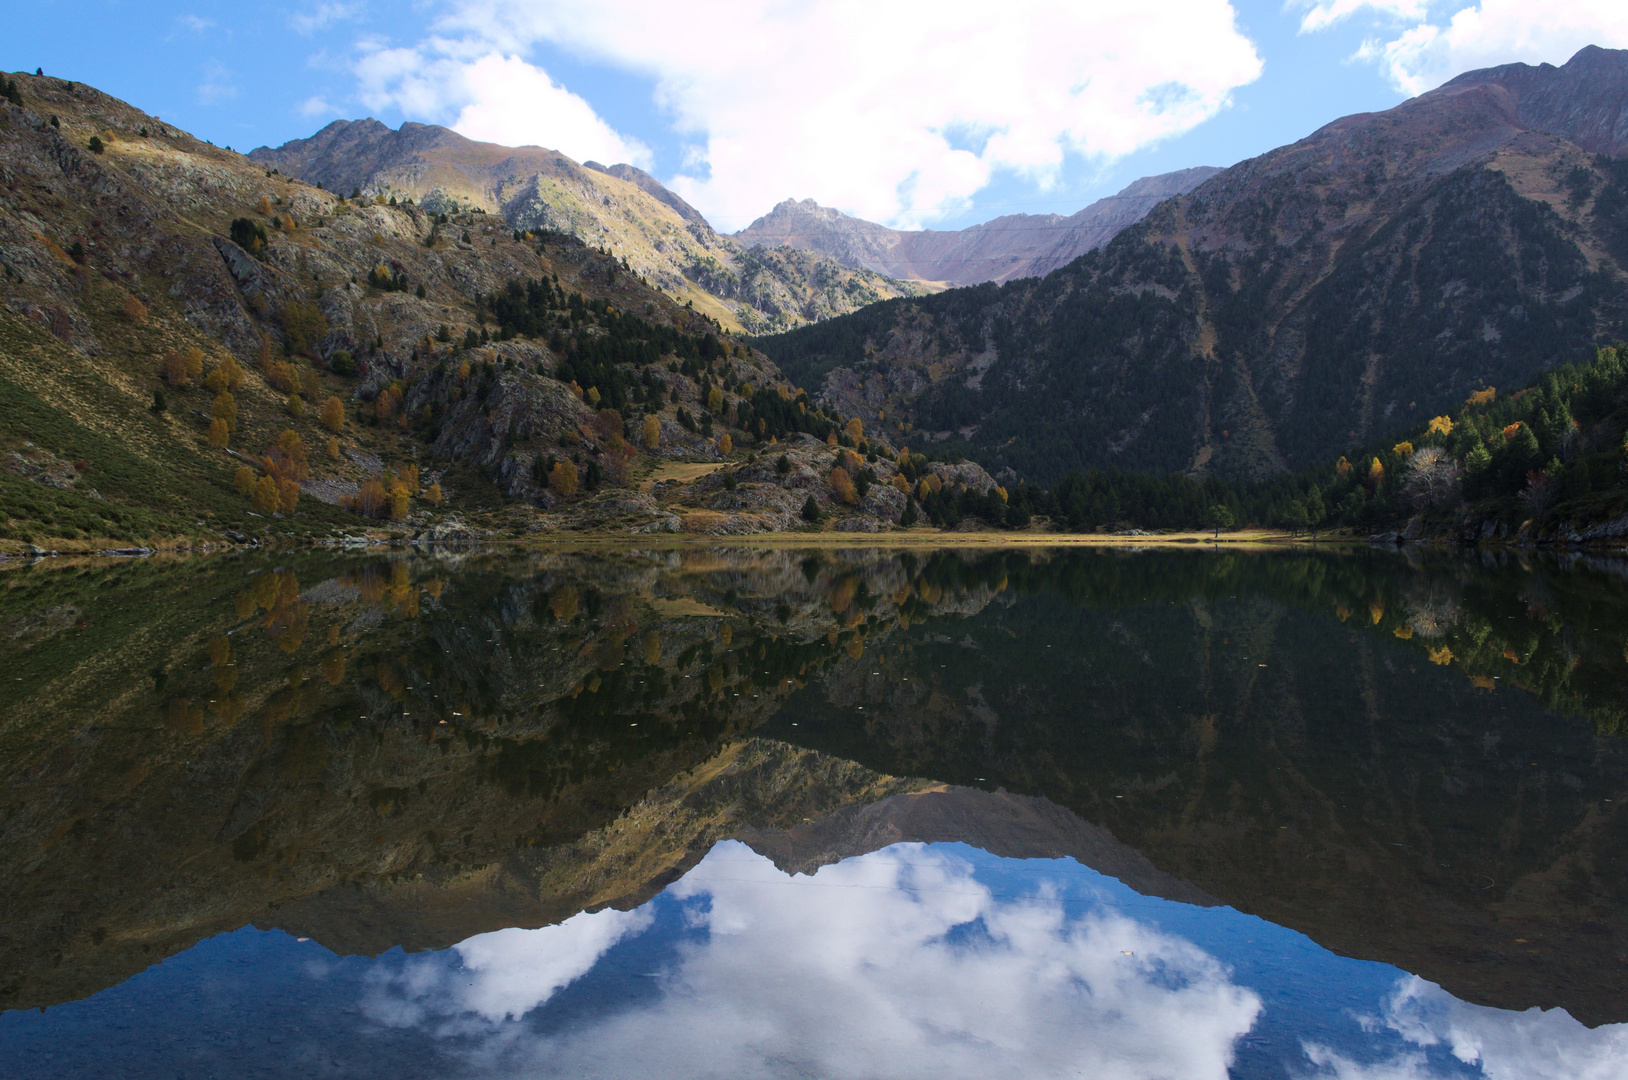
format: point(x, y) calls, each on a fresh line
point(898, 963)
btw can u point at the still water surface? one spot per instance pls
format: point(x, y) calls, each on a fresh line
point(721, 813)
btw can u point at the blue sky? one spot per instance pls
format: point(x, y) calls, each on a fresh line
point(939, 114)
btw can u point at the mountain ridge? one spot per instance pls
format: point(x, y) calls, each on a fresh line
point(621, 208)
point(1302, 302)
point(1000, 249)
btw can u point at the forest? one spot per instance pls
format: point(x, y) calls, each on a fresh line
point(1547, 455)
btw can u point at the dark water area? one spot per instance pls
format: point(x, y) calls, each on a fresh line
point(868, 813)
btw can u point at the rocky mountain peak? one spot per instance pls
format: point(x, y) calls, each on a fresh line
point(1584, 101)
point(1001, 249)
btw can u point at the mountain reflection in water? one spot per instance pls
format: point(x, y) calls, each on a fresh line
point(1416, 763)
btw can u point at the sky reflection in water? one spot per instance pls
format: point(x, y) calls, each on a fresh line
point(912, 961)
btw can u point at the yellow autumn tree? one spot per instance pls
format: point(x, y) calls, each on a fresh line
point(1403, 449)
point(725, 443)
point(296, 406)
point(288, 495)
point(715, 398)
point(652, 431)
point(1482, 397)
point(371, 499)
point(1376, 472)
point(333, 448)
point(224, 408)
point(333, 413)
point(856, 429)
point(243, 480)
point(219, 433)
point(433, 494)
point(266, 498)
point(194, 360)
point(1441, 425)
point(563, 479)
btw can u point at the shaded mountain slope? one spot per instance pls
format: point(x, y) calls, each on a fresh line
point(1295, 305)
point(1001, 249)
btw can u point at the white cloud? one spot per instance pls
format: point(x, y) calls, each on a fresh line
point(513, 102)
point(1530, 1045)
point(899, 964)
point(316, 106)
point(322, 16)
point(864, 106)
point(493, 98)
point(196, 23)
point(504, 974)
point(1422, 52)
point(217, 84)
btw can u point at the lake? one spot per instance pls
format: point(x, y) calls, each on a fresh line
point(736, 812)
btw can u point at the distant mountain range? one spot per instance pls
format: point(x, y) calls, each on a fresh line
point(1363, 279)
point(799, 263)
point(621, 208)
point(1001, 249)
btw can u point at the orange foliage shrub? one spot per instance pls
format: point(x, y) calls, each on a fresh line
point(1482, 397)
point(175, 369)
point(333, 413)
point(842, 486)
point(134, 309)
point(388, 401)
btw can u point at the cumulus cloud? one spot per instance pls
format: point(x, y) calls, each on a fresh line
point(899, 963)
point(501, 975)
point(898, 112)
point(491, 97)
point(1422, 51)
point(1530, 1045)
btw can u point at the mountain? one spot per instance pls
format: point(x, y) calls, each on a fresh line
point(1001, 249)
point(621, 208)
point(1361, 280)
point(195, 349)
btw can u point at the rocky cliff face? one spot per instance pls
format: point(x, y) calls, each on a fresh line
point(1001, 249)
point(1367, 277)
point(620, 208)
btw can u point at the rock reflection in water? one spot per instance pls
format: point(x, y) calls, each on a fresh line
point(1413, 762)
